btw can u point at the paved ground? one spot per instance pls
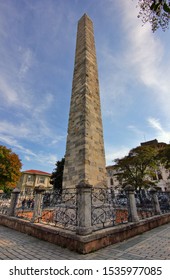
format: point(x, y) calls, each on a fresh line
point(152, 245)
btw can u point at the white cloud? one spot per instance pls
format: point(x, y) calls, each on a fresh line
point(8, 140)
point(113, 82)
point(34, 132)
point(112, 153)
point(12, 94)
point(161, 134)
point(43, 158)
point(144, 55)
point(27, 158)
point(136, 130)
point(46, 159)
point(15, 130)
point(154, 123)
point(26, 61)
point(43, 105)
point(57, 139)
point(7, 92)
point(141, 60)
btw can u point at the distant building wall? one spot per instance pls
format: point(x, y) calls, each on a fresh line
point(33, 178)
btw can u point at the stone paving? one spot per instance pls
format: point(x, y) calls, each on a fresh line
point(152, 245)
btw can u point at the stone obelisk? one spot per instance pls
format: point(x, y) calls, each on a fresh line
point(85, 156)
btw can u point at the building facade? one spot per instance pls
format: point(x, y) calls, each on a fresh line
point(34, 178)
point(161, 179)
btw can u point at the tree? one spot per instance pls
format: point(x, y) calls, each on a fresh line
point(137, 167)
point(10, 166)
point(164, 156)
point(57, 175)
point(156, 12)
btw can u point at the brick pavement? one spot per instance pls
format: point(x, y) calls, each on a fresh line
point(152, 245)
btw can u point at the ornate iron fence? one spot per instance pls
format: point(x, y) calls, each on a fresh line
point(5, 200)
point(60, 209)
point(144, 204)
point(108, 209)
point(164, 201)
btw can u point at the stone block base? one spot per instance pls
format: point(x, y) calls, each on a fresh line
point(88, 243)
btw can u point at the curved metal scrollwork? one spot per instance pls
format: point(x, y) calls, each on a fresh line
point(108, 208)
point(64, 207)
point(4, 203)
point(144, 204)
point(164, 201)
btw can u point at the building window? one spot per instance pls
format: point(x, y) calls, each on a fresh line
point(159, 175)
point(154, 177)
point(111, 181)
point(29, 178)
point(41, 180)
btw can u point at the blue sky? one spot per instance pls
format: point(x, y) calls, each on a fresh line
point(37, 48)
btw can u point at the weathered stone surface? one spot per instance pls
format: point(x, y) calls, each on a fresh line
point(88, 243)
point(85, 148)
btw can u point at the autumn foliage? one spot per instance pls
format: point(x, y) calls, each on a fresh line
point(10, 166)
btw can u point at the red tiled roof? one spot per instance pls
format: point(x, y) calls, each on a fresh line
point(32, 171)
